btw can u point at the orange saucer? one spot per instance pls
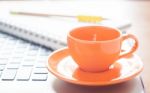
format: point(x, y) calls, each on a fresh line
point(62, 66)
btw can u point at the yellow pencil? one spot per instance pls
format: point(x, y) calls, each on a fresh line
point(81, 18)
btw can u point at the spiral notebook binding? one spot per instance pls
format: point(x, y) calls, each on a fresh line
point(33, 37)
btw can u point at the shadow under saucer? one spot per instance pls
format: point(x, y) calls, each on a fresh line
point(131, 86)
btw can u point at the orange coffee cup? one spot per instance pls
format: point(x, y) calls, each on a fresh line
point(96, 48)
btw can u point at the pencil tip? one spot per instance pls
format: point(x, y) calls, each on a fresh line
point(12, 12)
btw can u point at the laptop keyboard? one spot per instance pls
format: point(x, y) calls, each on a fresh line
point(22, 60)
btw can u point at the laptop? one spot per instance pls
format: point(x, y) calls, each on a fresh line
point(23, 70)
point(22, 63)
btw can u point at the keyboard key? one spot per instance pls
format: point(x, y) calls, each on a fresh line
point(16, 60)
point(18, 55)
point(9, 74)
point(40, 65)
point(12, 39)
point(5, 56)
point(32, 53)
point(4, 36)
point(24, 73)
point(6, 52)
point(29, 59)
point(0, 73)
point(10, 47)
point(44, 60)
point(12, 43)
point(34, 47)
point(22, 46)
point(40, 71)
point(3, 61)
point(39, 77)
point(2, 67)
point(13, 66)
point(30, 64)
point(19, 51)
point(44, 52)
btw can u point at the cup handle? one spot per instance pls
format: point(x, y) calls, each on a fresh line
point(133, 49)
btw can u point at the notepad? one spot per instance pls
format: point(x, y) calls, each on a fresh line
point(50, 32)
